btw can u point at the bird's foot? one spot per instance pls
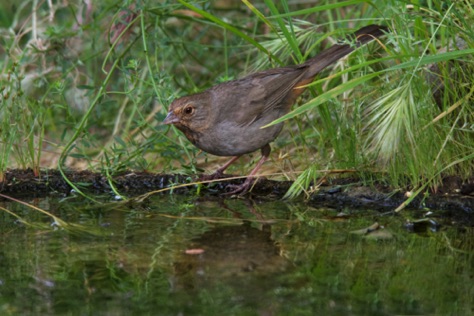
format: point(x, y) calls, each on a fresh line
point(240, 189)
point(219, 173)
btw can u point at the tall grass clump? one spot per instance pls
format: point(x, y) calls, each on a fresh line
point(420, 130)
point(82, 85)
point(412, 123)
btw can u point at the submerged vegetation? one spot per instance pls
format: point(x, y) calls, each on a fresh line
point(85, 85)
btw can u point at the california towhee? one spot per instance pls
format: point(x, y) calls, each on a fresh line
point(226, 119)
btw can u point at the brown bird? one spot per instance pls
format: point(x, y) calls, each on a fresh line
point(227, 119)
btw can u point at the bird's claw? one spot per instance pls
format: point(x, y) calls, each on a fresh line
point(240, 189)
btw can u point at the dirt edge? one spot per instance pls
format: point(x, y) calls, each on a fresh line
point(453, 196)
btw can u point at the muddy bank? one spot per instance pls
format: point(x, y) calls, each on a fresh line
point(454, 196)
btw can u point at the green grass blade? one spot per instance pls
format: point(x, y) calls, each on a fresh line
point(226, 26)
point(320, 8)
point(432, 59)
point(325, 97)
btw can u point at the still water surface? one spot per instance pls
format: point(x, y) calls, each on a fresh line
point(181, 255)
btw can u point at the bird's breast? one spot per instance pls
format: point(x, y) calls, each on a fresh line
point(229, 139)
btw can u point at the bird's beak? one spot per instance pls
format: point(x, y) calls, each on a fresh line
point(171, 118)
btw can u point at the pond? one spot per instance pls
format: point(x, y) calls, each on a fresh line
point(185, 255)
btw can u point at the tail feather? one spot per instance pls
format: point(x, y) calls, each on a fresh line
point(337, 51)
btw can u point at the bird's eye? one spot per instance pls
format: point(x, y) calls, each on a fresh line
point(188, 110)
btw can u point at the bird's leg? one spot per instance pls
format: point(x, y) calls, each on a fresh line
point(219, 172)
point(245, 187)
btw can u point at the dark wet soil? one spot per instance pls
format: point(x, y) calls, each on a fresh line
point(453, 196)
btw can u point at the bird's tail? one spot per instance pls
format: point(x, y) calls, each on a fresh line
point(337, 51)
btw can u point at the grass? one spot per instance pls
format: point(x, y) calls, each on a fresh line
point(86, 86)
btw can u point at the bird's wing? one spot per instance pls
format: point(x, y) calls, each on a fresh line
point(262, 92)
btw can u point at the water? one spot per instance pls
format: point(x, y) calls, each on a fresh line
point(181, 255)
